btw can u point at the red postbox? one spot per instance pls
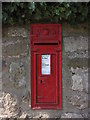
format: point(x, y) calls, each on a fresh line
point(46, 66)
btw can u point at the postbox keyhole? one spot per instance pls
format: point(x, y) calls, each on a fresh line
point(41, 81)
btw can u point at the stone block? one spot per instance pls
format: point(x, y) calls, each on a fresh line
point(71, 115)
point(9, 104)
point(15, 31)
point(72, 44)
point(80, 79)
point(17, 74)
point(80, 101)
point(76, 62)
point(78, 54)
point(15, 49)
point(77, 83)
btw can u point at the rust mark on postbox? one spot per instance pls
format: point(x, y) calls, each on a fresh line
point(46, 66)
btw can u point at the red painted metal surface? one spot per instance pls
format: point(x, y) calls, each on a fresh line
point(46, 89)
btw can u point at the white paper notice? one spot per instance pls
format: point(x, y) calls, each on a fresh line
point(45, 64)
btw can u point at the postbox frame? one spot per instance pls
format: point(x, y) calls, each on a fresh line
point(34, 104)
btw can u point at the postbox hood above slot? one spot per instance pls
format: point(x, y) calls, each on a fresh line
point(46, 33)
point(46, 30)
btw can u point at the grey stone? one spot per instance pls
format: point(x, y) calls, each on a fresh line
point(0, 102)
point(15, 49)
point(23, 115)
point(22, 82)
point(0, 75)
point(80, 101)
point(17, 74)
point(42, 115)
point(72, 70)
point(80, 78)
point(76, 62)
point(10, 108)
point(17, 31)
point(77, 83)
point(78, 54)
point(71, 115)
point(75, 43)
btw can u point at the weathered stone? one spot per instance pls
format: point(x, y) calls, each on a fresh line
point(78, 54)
point(17, 31)
point(0, 84)
point(85, 82)
point(85, 114)
point(6, 41)
point(71, 115)
point(17, 74)
point(77, 83)
point(4, 64)
point(76, 62)
point(76, 30)
point(75, 43)
point(10, 107)
point(42, 115)
point(80, 79)
point(72, 70)
point(80, 101)
point(0, 74)
point(22, 82)
point(23, 115)
point(14, 49)
point(0, 102)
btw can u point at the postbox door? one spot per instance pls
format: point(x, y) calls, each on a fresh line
point(46, 66)
point(46, 78)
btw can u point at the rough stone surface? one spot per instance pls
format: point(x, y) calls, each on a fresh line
point(23, 115)
point(42, 115)
point(10, 108)
point(78, 54)
point(76, 62)
point(77, 83)
point(80, 79)
point(17, 74)
point(76, 47)
point(17, 31)
point(71, 115)
point(80, 43)
point(15, 49)
point(80, 101)
point(16, 69)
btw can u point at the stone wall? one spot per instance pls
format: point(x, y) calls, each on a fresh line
point(16, 73)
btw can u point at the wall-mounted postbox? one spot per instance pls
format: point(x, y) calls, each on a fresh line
point(46, 66)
